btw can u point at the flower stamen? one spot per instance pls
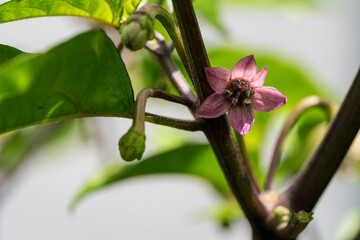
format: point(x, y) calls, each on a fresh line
point(247, 101)
point(239, 90)
point(235, 99)
point(251, 92)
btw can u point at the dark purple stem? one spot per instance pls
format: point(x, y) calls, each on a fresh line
point(217, 130)
point(304, 192)
point(162, 54)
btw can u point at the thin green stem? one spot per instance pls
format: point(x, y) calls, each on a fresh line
point(188, 125)
point(299, 110)
point(141, 99)
point(297, 223)
point(244, 152)
point(158, 12)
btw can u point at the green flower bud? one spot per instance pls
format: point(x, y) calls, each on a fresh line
point(132, 145)
point(281, 214)
point(137, 31)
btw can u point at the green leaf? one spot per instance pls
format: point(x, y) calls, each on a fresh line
point(295, 156)
point(130, 7)
point(196, 160)
point(83, 77)
point(349, 225)
point(7, 52)
point(278, 3)
point(226, 213)
point(106, 11)
point(17, 146)
point(209, 10)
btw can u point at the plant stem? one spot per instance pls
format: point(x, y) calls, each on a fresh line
point(299, 110)
point(158, 12)
point(308, 186)
point(194, 47)
point(188, 125)
point(217, 130)
point(141, 99)
point(357, 236)
point(244, 152)
point(297, 223)
point(162, 54)
point(120, 47)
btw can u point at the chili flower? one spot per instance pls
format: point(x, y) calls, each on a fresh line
point(239, 92)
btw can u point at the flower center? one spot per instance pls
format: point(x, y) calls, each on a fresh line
point(239, 92)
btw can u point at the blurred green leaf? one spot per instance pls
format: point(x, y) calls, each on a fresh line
point(106, 11)
point(79, 78)
point(129, 8)
point(226, 213)
point(296, 3)
point(193, 159)
point(16, 146)
point(349, 227)
point(209, 10)
point(7, 52)
point(150, 73)
point(299, 143)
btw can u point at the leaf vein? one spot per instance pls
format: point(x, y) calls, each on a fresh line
point(74, 6)
point(112, 11)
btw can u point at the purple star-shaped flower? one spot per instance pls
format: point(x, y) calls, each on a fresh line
point(239, 92)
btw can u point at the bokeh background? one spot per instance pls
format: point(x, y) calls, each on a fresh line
point(315, 40)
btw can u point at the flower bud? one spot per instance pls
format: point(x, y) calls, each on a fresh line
point(281, 214)
point(132, 145)
point(137, 31)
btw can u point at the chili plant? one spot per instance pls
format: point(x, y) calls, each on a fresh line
point(86, 77)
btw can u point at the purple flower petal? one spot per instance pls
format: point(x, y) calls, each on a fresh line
point(241, 119)
point(259, 79)
point(245, 68)
point(267, 99)
point(214, 106)
point(218, 78)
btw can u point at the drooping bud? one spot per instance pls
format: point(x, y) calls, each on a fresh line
point(132, 144)
point(137, 30)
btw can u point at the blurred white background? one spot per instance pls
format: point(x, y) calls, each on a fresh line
point(324, 40)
